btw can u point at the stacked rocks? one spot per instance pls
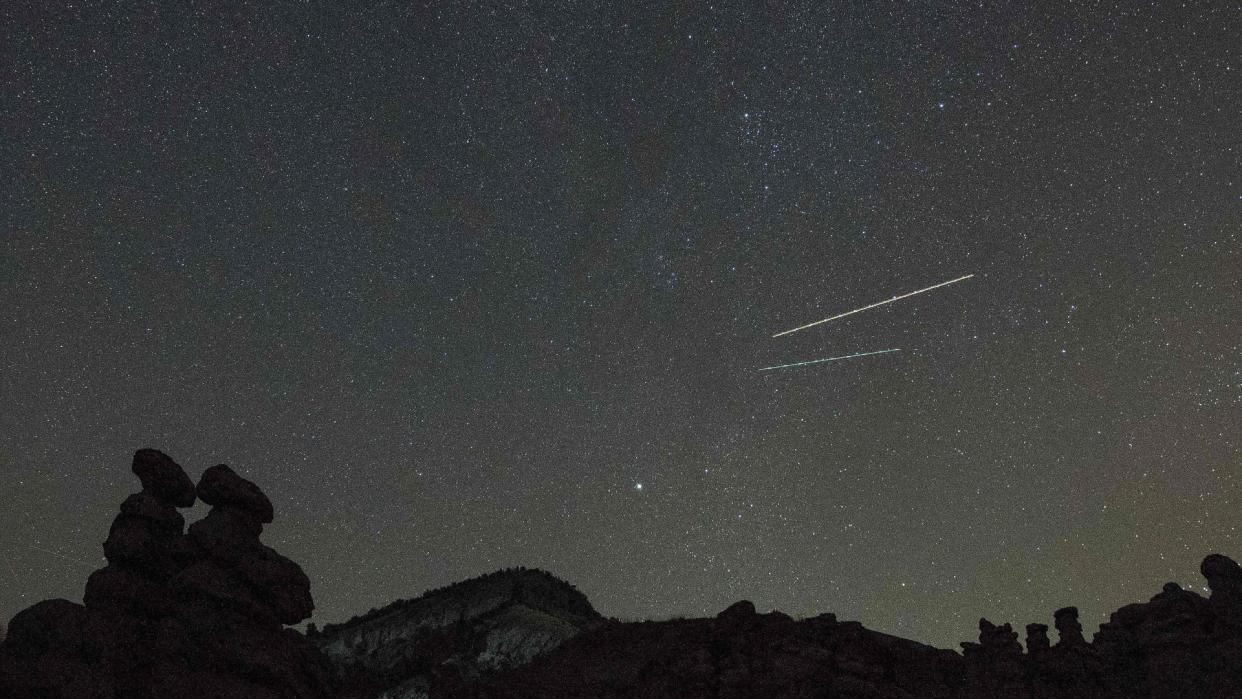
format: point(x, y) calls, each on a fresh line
point(145, 546)
point(1066, 621)
point(994, 642)
point(995, 662)
point(1036, 638)
point(238, 570)
point(197, 615)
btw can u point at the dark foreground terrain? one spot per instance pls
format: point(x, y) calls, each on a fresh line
point(204, 612)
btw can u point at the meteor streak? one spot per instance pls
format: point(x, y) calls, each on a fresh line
point(829, 359)
point(864, 308)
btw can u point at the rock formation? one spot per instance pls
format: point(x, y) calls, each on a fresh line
point(450, 637)
point(1066, 621)
point(1037, 638)
point(174, 614)
point(739, 653)
point(203, 613)
point(1176, 646)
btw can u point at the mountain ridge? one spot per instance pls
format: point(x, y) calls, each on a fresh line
point(455, 634)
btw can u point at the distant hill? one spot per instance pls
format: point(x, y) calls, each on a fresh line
point(452, 636)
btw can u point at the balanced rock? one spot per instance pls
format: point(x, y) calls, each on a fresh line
point(163, 478)
point(221, 487)
point(175, 614)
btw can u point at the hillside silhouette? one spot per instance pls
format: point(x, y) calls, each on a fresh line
point(452, 636)
point(205, 612)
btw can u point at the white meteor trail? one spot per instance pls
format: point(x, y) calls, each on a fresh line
point(864, 308)
point(829, 359)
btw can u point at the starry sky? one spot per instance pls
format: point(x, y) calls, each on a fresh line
point(472, 285)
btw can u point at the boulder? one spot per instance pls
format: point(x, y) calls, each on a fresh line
point(222, 487)
point(127, 591)
point(281, 583)
point(226, 534)
point(163, 478)
point(208, 580)
point(161, 515)
point(1223, 574)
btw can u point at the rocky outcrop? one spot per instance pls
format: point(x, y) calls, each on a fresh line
point(1177, 645)
point(739, 653)
point(450, 637)
point(174, 614)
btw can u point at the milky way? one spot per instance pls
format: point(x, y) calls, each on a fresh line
point(449, 280)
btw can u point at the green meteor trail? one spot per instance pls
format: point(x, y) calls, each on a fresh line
point(829, 359)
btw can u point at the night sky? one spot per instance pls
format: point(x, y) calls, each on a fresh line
point(451, 281)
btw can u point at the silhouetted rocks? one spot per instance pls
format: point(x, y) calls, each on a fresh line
point(1224, 576)
point(202, 613)
point(162, 478)
point(230, 535)
point(739, 613)
point(739, 653)
point(1070, 631)
point(1037, 638)
point(995, 641)
point(996, 660)
point(1176, 646)
point(174, 615)
point(221, 487)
